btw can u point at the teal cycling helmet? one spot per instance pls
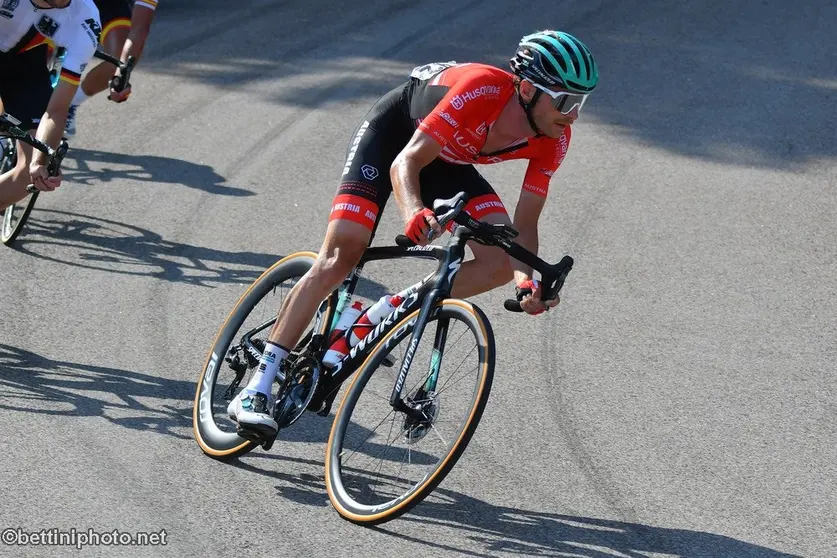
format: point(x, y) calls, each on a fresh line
point(556, 59)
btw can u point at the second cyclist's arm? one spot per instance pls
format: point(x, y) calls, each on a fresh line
point(52, 123)
point(404, 172)
point(141, 19)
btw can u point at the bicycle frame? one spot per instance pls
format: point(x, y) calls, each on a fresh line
point(423, 295)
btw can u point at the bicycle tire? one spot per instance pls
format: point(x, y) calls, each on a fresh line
point(9, 227)
point(212, 440)
point(347, 507)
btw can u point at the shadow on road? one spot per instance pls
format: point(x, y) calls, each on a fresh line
point(739, 83)
point(495, 530)
point(102, 244)
point(84, 166)
point(31, 383)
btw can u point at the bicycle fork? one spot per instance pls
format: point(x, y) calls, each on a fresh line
point(415, 409)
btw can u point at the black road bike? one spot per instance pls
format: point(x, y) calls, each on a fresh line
point(399, 429)
point(15, 216)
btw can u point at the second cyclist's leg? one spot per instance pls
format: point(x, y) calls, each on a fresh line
point(26, 98)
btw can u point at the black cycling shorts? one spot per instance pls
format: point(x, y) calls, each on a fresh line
point(365, 186)
point(25, 86)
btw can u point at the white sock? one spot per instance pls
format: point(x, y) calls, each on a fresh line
point(80, 97)
point(262, 380)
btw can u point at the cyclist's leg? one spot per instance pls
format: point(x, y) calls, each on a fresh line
point(25, 97)
point(355, 212)
point(364, 190)
point(491, 267)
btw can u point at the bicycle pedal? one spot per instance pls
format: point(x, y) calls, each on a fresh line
point(388, 362)
point(268, 443)
point(250, 435)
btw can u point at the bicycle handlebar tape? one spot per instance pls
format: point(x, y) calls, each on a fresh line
point(512, 305)
point(403, 241)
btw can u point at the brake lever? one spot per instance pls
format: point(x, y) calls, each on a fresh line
point(57, 158)
point(120, 82)
point(54, 164)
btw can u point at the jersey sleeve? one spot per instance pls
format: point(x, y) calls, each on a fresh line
point(469, 99)
point(543, 165)
point(80, 43)
point(150, 4)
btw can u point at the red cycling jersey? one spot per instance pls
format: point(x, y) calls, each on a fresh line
point(474, 96)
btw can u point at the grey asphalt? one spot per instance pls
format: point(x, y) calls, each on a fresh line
point(679, 403)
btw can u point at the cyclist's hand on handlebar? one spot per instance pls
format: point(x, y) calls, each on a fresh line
point(529, 295)
point(120, 96)
point(420, 226)
point(40, 178)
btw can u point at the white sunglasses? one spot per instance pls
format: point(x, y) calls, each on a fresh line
point(564, 101)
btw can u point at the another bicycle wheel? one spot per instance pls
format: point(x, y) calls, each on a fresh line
point(381, 463)
point(236, 352)
point(15, 215)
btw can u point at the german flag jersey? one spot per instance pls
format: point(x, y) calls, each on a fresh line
point(24, 26)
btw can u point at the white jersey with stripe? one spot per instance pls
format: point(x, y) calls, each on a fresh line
point(24, 26)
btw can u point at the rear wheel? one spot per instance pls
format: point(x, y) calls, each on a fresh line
point(379, 462)
point(236, 352)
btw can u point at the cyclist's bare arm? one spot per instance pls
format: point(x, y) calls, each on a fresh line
point(404, 173)
point(526, 216)
point(141, 19)
point(49, 132)
point(52, 123)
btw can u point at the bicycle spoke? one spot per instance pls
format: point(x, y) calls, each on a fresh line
point(436, 431)
point(372, 431)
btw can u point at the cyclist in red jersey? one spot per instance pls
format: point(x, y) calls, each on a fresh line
point(421, 141)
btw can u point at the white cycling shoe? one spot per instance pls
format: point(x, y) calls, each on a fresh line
point(252, 410)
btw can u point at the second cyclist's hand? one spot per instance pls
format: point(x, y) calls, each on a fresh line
point(420, 225)
point(120, 96)
point(39, 176)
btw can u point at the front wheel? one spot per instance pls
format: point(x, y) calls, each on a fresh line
point(380, 463)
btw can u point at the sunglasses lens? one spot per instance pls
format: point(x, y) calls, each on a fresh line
point(567, 102)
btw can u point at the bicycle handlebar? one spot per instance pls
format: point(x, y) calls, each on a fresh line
point(10, 126)
point(552, 276)
point(120, 82)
